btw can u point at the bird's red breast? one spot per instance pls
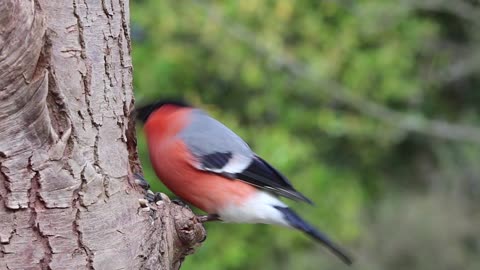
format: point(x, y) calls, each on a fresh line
point(173, 161)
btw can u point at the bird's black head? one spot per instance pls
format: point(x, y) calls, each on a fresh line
point(144, 111)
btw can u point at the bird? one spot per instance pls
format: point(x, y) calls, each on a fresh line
point(206, 164)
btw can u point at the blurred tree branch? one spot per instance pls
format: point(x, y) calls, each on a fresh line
point(280, 59)
point(460, 8)
point(458, 70)
point(469, 61)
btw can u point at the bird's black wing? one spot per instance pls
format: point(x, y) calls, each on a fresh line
point(261, 174)
point(216, 160)
point(254, 171)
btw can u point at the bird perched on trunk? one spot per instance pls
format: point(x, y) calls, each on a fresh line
point(209, 166)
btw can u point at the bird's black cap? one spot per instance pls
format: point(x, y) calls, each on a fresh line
point(144, 111)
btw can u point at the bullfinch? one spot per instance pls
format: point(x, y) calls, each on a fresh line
point(207, 165)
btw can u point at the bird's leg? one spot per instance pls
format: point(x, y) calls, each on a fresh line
point(207, 218)
point(202, 218)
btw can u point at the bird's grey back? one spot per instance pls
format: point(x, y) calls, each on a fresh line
point(205, 135)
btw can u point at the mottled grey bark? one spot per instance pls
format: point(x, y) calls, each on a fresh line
point(67, 145)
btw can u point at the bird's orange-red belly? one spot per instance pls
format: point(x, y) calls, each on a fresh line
point(210, 192)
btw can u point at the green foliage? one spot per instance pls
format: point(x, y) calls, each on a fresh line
point(265, 68)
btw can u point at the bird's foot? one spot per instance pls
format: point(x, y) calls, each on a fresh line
point(207, 218)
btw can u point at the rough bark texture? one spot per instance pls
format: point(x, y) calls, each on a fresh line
point(67, 146)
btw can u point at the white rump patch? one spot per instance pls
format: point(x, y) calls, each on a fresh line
point(259, 208)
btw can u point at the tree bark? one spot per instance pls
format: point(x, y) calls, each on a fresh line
point(67, 145)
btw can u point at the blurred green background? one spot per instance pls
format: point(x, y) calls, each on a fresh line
point(370, 107)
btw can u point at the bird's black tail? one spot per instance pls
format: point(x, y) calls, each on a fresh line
point(297, 222)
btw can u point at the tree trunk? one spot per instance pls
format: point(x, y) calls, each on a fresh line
point(67, 145)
